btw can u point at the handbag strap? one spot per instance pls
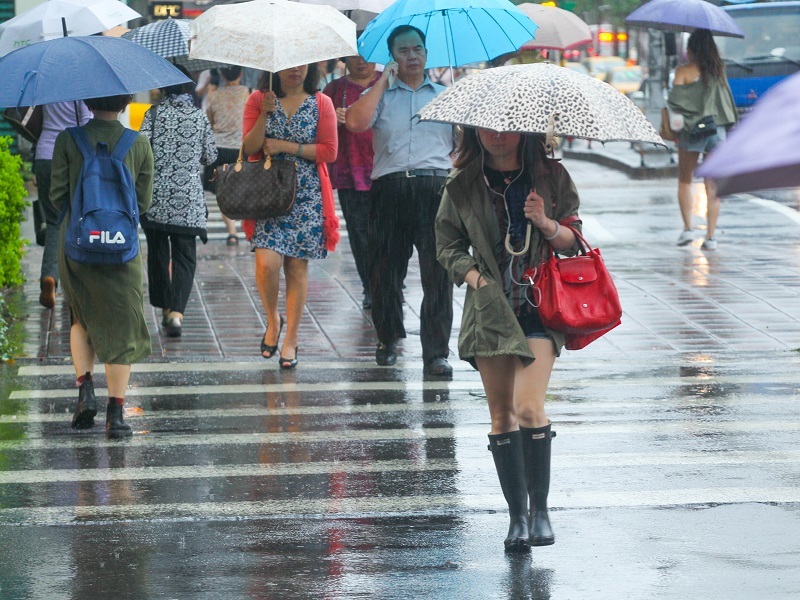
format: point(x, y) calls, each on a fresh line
point(583, 245)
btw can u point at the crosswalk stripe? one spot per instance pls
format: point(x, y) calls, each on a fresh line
point(386, 507)
point(472, 431)
point(228, 389)
point(215, 471)
point(592, 383)
point(566, 365)
point(560, 461)
point(562, 409)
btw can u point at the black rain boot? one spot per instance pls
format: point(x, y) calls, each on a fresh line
point(115, 426)
point(536, 450)
point(506, 450)
point(83, 418)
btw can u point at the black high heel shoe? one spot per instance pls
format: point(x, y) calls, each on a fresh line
point(289, 363)
point(271, 349)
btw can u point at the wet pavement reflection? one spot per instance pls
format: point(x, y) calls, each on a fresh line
point(675, 469)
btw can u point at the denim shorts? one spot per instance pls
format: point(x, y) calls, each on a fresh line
point(701, 145)
point(532, 327)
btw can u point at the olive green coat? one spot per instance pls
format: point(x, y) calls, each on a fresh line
point(466, 222)
point(107, 300)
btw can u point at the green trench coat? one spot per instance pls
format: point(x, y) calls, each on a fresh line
point(107, 300)
point(466, 221)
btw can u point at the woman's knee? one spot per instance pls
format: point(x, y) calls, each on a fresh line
point(503, 420)
point(295, 267)
point(532, 414)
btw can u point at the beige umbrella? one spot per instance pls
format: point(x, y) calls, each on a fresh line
point(271, 35)
point(559, 29)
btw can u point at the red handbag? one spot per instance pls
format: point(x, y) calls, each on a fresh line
point(577, 296)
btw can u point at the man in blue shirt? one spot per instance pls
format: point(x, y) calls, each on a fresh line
point(410, 167)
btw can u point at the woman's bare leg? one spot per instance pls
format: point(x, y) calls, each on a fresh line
point(530, 384)
point(296, 272)
point(268, 270)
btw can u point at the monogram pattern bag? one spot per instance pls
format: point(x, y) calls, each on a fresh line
point(256, 190)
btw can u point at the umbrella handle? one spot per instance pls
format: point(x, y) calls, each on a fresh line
point(509, 247)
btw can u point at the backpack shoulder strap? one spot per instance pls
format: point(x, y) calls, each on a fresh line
point(124, 144)
point(82, 140)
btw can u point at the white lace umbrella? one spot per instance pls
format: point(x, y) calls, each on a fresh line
point(559, 29)
point(44, 21)
point(271, 34)
point(541, 98)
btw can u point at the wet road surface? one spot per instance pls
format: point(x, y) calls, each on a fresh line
point(675, 469)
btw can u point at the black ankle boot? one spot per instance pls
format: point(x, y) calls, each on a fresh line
point(115, 426)
point(506, 450)
point(83, 418)
point(536, 451)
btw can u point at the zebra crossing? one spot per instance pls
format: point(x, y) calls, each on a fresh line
point(394, 444)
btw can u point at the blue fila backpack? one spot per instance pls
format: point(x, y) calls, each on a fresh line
point(103, 224)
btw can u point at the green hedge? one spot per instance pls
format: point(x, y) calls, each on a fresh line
point(12, 206)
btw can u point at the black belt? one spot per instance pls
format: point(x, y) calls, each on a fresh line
point(417, 173)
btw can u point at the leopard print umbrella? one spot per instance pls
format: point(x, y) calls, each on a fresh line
point(541, 98)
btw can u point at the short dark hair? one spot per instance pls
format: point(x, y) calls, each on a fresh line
point(310, 83)
point(231, 73)
point(180, 88)
point(400, 30)
point(109, 103)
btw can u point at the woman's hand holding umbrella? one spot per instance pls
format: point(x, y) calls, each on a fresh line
point(268, 105)
point(534, 210)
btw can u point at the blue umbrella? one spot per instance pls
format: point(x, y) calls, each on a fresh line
point(763, 151)
point(458, 32)
point(77, 68)
point(684, 15)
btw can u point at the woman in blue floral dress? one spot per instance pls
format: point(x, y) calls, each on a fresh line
point(295, 123)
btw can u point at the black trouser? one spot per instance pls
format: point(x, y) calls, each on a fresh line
point(165, 291)
point(225, 156)
point(401, 216)
point(42, 170)
point(355, 208)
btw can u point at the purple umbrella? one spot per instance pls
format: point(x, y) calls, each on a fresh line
point(763, 151)
point(684, 15)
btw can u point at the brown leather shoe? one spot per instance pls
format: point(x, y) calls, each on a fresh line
point(47, 297)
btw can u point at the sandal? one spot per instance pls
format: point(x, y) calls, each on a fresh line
point(289, 363)
point(266, 347)
point(233, 240)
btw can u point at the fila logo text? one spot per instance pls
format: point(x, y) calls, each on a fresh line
point(104, 237)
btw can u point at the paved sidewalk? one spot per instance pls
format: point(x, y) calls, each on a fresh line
point(741, 298)
point(638, 161)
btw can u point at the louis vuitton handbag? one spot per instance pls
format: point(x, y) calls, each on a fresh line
point(256, 190)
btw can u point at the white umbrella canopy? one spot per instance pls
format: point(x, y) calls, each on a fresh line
point(541, 98)
point(271, 35)
point(361, 12)
point(559, 29)
point(43, 22)
point(373, 6)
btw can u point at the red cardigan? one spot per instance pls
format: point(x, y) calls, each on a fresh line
point(327, 144)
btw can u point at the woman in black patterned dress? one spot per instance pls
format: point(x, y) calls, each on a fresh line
point(182, 143)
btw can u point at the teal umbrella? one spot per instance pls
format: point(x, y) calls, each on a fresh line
point(458, 32)
point(77, 68)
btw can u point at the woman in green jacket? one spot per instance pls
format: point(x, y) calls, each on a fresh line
point(105, 301)
point(501, 209)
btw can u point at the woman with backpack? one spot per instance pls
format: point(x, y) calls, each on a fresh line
point(105, 300)
point(183, 143)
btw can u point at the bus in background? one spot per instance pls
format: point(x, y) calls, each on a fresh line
point(769, 52)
